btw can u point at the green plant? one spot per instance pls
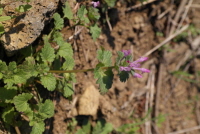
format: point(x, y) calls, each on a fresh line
point(52, 68)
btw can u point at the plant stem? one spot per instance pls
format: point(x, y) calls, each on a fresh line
point(77, 71)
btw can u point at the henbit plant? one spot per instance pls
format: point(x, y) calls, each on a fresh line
point(52, 67)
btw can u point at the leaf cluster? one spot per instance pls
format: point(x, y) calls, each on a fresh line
point(86, 16)
point(19, 94)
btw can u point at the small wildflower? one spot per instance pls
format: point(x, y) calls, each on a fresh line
point(135, 65)
point(126, 52)
point(95, 4)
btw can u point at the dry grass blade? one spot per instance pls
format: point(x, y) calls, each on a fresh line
point(166, 40)
point(178, 15)
point(139, 5)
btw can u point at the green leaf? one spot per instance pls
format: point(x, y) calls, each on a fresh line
point(3, 66)
point(65, 50)
point(68, 64)
point(38, 128)
point(95, 31)
point(123, 76)
point(1, 29)
point(67, 11)
point(46, 109)
point(58, 21)
point(80, 131)
point(65, 88)
point(102, 127)
point(20, 102)
point(104, 57)
point(12, 66)
point(1, 10)
point(93, 14)
point(68, 90)
point(82, 11)
point(107, 128)
point(49, 81)
point(9, 115)
point(25, 71)
point(120, 55)
point(9, 83)
point(104, 79)
point(58, 38)
point(86, 126)
point(7, 94)
point(42, 68)
point(29, 113)
point(110, 3)
point(5, 18)
point(1, 76)
point(23, 8)
point(47, 53)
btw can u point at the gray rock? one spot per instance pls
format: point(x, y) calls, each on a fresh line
point(21, 31)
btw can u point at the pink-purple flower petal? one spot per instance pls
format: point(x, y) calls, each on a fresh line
point(137, 75)
point(125, 68)
point(95, 4)
point(144, 70)
point(141, 59)
point(126, 52)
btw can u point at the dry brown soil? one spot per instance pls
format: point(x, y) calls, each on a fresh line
point(159, 92)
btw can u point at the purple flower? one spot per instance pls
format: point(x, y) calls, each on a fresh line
point(135, 66)
point(95, 4)
point(126, 52)
point(125, 68)
point(137, 75)
point(144, 70)
point(141, 59)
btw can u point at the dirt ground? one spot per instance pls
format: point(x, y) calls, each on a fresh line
point(159, 93)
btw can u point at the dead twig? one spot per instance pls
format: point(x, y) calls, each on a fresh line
point(195, 6)
point(108, 22)
point(149, 99)
point(164, 13)
point(139, 5)
point(166, 40)
point(75, 34)
point(181, 8)
point(184, 14)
